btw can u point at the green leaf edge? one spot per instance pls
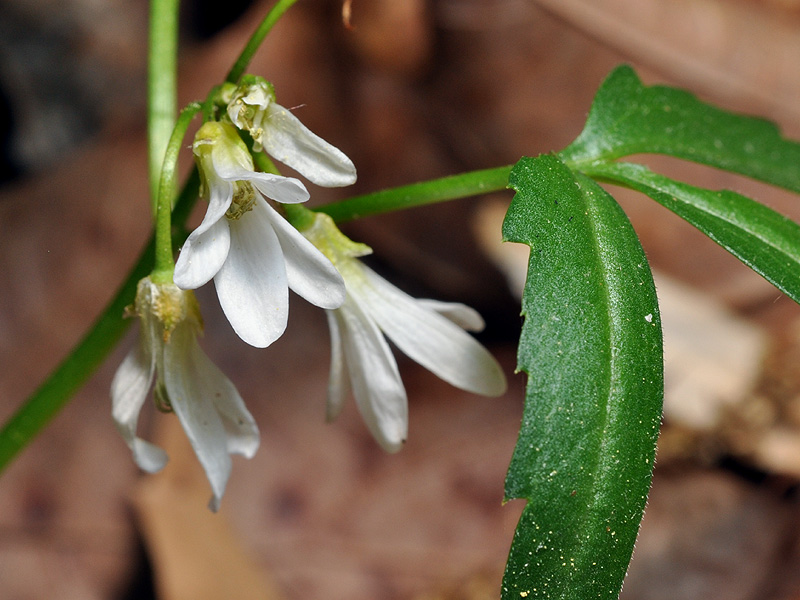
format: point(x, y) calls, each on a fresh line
point(761, 238)
point(601, 573)
point(627, 117)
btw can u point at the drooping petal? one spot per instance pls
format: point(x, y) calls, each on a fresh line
point(252, 286)
point(206, 248)
point(377, 387)
point(241, 427)
point(310, 274)
point(430, 339)
point(128, 392)
point(462, 315)
point(286, 139)
point(191, 390)
point(339, 381)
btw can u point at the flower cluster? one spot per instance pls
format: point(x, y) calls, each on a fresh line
point(254, 255)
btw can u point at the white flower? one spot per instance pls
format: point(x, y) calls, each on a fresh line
point(430, 332)
point(253, 254)
point(252, 107)
point(186, 381)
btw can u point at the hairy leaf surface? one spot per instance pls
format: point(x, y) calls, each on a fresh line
point(591, 346)
point(761, 238)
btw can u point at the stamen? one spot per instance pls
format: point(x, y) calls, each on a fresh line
point(161, 398)
point(244, 198)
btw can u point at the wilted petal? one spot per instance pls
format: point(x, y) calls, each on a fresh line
point(339, 382)
point(377, 387)
point(462, 315)
point(286, 139)
point(191, 390)
point(430, 339)
point(310, 274)
point(252, 286)
point(129, 390)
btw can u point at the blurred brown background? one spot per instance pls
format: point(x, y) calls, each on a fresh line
point(416, 89)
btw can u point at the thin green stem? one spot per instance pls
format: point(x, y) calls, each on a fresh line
point(263, 162)
point(67, 378)
point(257, 38)
point(164, 261)
point(419, 194)
point(162, 103)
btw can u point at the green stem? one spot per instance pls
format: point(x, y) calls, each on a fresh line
point(257, 38)
point(164, 261)
point(90, 352)
point(162, 103)
point(419, 194)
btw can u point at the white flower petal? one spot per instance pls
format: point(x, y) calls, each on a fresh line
point(252, 286)
point(339, 381)
point(129, 390)
point(240, 426)
point(286, 139)
point(377, 387)
point(310, 274)
point(430, 339)
point(202, 255)
point(205, 249)
point(462, 315)
point(187, 385)
point(286, 190)
point(220, 197)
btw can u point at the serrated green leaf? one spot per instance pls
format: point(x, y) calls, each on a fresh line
point(761, 238)
point(591, 346)
point(627, 118)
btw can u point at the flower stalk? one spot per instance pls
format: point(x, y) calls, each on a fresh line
point(257, 38)
point(434, 191)
point(162, 103)
point(167, 193)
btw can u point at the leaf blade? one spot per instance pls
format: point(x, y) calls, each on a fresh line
point(591, 345)
point(763, 239)
point(628, 117)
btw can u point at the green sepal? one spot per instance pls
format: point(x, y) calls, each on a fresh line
point(592, 348)
point(627, 118)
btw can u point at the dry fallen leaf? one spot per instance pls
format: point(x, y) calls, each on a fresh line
point(194, 552)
